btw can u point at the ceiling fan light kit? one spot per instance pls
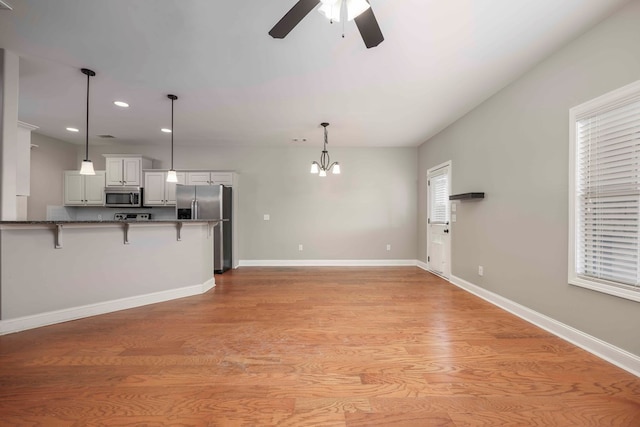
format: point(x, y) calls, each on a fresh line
point(358, 10)
point(332, 9)
point(325, 164)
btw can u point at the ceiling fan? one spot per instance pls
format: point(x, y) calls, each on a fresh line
point(359, 10)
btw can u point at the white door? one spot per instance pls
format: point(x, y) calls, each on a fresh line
point(438, 232)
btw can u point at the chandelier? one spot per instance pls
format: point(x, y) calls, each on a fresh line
point(325, 162)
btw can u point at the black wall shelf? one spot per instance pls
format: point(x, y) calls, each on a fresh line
point(467, 196)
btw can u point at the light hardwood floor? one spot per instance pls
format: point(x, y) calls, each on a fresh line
point(310, 347)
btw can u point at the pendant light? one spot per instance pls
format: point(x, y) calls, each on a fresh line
point(171, 175)
point(325, 161)
point(87, 165)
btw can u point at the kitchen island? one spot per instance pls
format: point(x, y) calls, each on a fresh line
point(55, 271)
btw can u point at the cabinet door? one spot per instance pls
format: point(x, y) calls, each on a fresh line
point(94, 189)
point(170, 188)
point(114, 171)
point(131, 172)
point(73, 188)
point(198, 178)
point(224, 178)
point(154, 188)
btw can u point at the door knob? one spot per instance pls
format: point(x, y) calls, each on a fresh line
point(446, 231)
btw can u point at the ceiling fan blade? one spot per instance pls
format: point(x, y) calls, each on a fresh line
point(369, 28)
point(292, 18)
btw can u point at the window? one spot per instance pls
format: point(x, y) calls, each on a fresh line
point(439, 200)
point(604, 199)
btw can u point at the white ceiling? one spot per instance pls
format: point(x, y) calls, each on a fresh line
point(238, 86)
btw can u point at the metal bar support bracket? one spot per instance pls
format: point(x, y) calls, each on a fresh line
point(58, 241)
point(126, 233)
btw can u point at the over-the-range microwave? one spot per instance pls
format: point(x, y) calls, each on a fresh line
point(123, 197)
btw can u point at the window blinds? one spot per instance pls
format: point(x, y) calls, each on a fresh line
point(608, 194)
point(439, 187)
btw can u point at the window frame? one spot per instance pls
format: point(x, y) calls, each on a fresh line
point(603, 103)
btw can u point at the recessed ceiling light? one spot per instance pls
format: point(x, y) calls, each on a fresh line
point(165, 130)
point(121, 104)
point(73, 130)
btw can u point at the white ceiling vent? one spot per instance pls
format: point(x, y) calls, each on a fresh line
point(5, 6)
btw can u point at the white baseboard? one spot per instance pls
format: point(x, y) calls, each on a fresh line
point(422, 265)
point(327, 263)
point(49, 318)
point(619, 357)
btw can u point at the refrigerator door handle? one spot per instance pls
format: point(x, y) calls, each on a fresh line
point(193, 208)
point(196, 210)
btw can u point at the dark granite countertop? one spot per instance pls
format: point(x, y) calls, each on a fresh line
point(152, 221)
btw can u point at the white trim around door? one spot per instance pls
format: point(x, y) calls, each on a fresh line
point(439, 230)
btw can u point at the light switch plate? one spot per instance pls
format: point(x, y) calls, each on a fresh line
point(267, 217)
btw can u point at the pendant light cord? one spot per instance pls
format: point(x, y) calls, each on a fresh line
point(89, 73)
point(86, 154)
point(172, 98)
point(172, 133)
point(325, 160)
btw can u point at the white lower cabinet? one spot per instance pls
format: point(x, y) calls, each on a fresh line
point(84, 190)
point(159, 192)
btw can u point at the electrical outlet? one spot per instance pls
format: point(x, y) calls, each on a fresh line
point(266, 217)
point(388, 247)
point(453, 207)
point(300, 248)
point(480, 270)
point(453, 218)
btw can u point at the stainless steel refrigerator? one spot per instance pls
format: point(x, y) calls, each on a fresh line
point(209, 202)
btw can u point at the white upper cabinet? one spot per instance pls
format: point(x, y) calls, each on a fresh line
point(131, 172)
point(84, 190)
point(126, 170)
point(210, 178)
point(198, 178)
point(159, 192)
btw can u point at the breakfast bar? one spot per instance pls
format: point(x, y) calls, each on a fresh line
point(55, 271)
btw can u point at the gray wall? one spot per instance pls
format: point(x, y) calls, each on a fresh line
point(352, 216)
point(47, 163)
point(515, 148)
